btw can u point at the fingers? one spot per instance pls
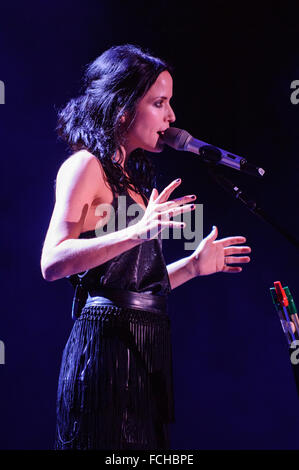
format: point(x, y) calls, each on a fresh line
point(153, 195)
point(231, 240)
point(162, 198)
point(213, 234)
point(232, 269)
point(164, 195)
point(175, 211)
point(172, 224)
point(236, 250)
point(180, 201)
point(236, 259)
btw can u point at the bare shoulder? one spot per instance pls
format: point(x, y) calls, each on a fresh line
point(80, 163)
point(79, 180)
point(82, 169)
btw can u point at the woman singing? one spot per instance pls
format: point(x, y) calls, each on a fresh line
point(115, 382)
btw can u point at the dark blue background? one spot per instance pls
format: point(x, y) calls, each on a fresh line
point(234, 387)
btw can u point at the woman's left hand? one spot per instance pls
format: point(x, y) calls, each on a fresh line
point(213, 256)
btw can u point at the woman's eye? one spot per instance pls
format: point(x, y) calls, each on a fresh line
point(158, 104)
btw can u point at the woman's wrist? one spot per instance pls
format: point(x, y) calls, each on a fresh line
point(134, 234)
point(190, 266)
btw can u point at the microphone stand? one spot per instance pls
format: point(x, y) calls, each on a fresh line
point(251, 205)
point(236, 192)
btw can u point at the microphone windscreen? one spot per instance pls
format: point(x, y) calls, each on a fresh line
point(176, 138)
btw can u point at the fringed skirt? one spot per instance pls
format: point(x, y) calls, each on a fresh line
point(115, 388)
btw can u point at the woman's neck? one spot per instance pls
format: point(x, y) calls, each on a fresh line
point(122, 155)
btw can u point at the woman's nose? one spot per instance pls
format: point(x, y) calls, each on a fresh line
point(171, 115)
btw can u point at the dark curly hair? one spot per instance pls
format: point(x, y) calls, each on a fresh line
point(114, 83)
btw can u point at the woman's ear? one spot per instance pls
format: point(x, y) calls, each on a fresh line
point(124, 117)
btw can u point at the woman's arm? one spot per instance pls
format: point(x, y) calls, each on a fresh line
point(211, 256)
point(77, 184)
point(73, 256)
point(179, 272)
point(80, 183)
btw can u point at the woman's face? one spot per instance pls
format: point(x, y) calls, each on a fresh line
point(153, 115)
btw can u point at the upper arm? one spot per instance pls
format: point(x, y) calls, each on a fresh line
point(79, 180)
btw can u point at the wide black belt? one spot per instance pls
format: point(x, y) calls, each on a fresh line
point(127, 299)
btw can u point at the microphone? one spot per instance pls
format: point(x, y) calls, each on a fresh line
point(182, 140)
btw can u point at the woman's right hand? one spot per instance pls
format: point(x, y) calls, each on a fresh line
point(159, 211)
